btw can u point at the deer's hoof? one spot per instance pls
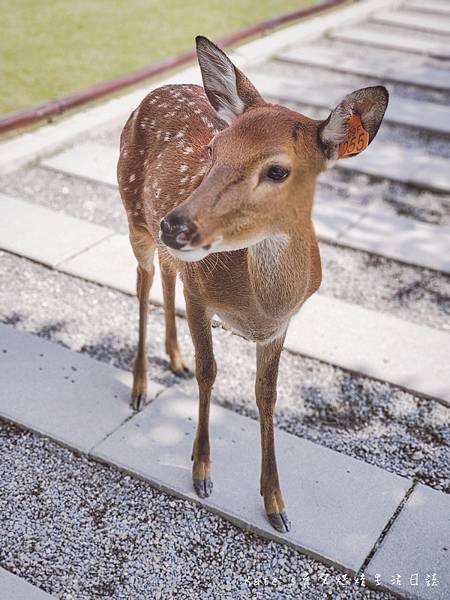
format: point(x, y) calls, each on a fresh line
point(280, 521)
point(138, 400)
point(203, 487)
point(179, 367)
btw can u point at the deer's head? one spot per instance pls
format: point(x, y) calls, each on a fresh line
point(264, 165)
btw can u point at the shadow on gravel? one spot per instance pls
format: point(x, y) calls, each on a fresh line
point(47, 331)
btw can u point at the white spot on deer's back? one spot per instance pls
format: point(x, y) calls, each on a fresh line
point(132, 177)
point(183, 168)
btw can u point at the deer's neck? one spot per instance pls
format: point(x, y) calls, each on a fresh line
point(280, 271)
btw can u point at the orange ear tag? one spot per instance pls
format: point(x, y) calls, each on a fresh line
point(357, 138)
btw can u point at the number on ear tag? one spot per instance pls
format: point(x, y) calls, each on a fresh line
point(357, 138)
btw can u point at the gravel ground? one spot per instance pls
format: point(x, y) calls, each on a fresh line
point(366, 419)
point(411, 293)
point(119, 538)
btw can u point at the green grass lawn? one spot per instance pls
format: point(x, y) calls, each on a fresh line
point(54, 47)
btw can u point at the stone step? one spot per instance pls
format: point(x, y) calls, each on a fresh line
point(405, 165)
point(411, 72)
point(414, 20)
point(365, 35)
point(64, 395)
point(338, 505)
point(424, 524)
point(89, 160)
point(15, 588)
point(433, 6)
point(410, 356)
point(58, 237)
point(400, 238)
point(428, 116)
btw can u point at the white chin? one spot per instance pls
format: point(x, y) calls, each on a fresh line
point(189, 255)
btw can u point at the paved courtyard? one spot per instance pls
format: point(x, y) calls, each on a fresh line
point(96, 501)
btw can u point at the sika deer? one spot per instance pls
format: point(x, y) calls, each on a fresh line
point(222, 184)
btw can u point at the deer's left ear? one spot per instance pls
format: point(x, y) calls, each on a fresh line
point(354, 123)
point(228, 89)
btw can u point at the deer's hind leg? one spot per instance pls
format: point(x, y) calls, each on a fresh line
point(144, 249)
point(168, 277)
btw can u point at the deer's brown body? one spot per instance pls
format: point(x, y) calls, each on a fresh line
point(229, 208)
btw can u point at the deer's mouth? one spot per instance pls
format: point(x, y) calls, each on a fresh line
point(192, 252)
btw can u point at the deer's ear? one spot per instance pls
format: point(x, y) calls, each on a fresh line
point(228, 89)
point(354, 123)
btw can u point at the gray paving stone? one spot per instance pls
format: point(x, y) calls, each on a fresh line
point(113, 264)
point(415, 72)
point(417, 544)
point(433, 6)
point(15, 588)
point(333, 217)
point(400, 111)
point(89, 160)
point(62, 394)
point(42, 234)
point(401, 239)
point(365, 35)
point(338, 505)
point(408, 166)
point(414, 20)
point(410, 356)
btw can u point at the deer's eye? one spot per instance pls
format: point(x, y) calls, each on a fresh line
point(210, 152)
point(277, 173)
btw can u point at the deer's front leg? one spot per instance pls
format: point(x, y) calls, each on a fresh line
point(267, 361)
point(205, 372)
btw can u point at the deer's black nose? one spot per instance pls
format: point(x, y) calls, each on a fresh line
point(177, 231)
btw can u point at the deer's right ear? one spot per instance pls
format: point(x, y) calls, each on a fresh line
point(228, 89)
